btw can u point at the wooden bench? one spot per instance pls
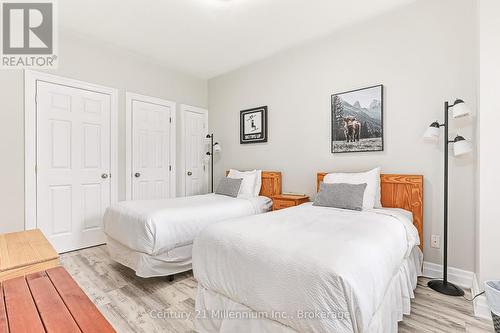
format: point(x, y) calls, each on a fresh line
point(48, 301)
point(25, 252)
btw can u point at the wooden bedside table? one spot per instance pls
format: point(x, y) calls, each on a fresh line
point(288, 200)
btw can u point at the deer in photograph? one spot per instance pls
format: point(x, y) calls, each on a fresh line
point(352, 129)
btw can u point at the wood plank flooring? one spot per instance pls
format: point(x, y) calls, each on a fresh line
point(133, 304)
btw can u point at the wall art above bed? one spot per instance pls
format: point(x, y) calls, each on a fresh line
point(357, 120)
point(253, 125)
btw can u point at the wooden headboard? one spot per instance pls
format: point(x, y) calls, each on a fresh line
point(401, 191)
point(271, 183)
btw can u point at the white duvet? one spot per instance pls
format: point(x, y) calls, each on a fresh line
point(307, 258)
point(156, 226)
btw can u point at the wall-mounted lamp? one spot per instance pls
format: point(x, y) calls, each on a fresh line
point(214, 148)
point(460, 147)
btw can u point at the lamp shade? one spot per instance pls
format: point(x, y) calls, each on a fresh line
point(217, 148)
point(460, 109)
point(433, 132)
point(461, 146)
point(206, 158)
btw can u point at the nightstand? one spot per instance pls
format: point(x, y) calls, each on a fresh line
point(288, 200)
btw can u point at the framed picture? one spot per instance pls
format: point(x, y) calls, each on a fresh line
point(253, 125)
point(357, 120)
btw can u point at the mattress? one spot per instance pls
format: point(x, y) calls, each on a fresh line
point(304, 259)
point(155, 227)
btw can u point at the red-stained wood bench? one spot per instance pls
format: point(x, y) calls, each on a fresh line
point(48, 301)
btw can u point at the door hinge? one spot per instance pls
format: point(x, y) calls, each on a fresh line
point(169, 168)
point(170, 119)
point(36, 98)
point(36, 168)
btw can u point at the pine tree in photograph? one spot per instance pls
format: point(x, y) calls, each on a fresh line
point(364, 131)
point(338, 108)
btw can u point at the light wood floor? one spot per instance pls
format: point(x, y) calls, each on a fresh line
point(127, 301)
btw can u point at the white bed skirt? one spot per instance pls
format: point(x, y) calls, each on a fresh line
point(174, 261)
point(217, 313)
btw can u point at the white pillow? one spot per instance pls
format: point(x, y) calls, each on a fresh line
point(251, 181)
point(258, 183)
point(371, 197)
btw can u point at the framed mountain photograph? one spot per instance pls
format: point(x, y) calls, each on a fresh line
point(253, 125)
point(357, 120)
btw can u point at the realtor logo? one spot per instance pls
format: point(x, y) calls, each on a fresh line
point(28, 34)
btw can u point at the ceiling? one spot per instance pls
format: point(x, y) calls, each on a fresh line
point(207, 38)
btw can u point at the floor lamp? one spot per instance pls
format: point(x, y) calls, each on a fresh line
point(214, 148)
point(460, 147)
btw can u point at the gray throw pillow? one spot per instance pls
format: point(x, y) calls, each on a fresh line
point(345, 196)
point(229, 187)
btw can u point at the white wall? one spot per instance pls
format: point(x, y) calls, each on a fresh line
point(420, 54)
point(83, 59)
point(489, 154)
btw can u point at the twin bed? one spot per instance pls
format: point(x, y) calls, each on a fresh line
point(302, 269)
point(313, 269)
point(155, 237)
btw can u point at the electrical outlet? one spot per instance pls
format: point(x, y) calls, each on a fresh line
point(435, 241)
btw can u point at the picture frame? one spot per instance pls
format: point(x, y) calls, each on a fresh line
point(253, 125)
point(357, 120)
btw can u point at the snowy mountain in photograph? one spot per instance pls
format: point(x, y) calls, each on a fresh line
point(370, 119)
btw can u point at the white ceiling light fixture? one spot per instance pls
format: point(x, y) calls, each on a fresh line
point(216, 2)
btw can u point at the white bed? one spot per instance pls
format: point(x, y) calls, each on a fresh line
point(154, 237)
point(312, 269)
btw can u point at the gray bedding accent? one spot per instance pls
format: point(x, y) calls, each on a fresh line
point(229, 187)
point(345, 196)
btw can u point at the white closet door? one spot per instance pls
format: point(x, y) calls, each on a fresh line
point(151, 155)
point(195, 148)
point(73, 163)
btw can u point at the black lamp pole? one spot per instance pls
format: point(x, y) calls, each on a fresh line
point(443, 286)
point(211, 154)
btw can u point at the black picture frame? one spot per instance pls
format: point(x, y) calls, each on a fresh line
point(371, 138)
point(255, 120)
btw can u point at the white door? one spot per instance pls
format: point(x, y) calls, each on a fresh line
point(195, 147)
point(73, 164)
point(152, 153)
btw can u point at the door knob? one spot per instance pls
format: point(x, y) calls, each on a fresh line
point(137, 175)
point(104, 176)
point(190, 173)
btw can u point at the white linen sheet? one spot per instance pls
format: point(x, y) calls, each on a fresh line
point(214, 310)
point(157, 226)
point(307, 258)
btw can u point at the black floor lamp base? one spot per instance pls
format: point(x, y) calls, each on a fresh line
point(445, 288)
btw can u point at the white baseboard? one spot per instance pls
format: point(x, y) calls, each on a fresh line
point(481, 308)
point(455, 275)
point(464, 279)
